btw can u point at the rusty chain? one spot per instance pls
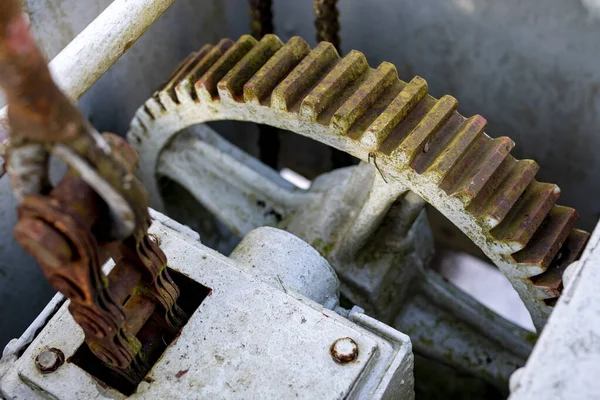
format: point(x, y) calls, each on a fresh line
point(99, 209)
point(261, 24)
point(327, 22)
point(261, 17)
point(327, 25)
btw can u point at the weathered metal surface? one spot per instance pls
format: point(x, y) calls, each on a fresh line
point(43, 121)
point(258, 341)
point(261, 24)
point(438, 154)
point(564, 362)
point(286, 262)
point(63, 232)
point(373, 233)
point(93, 51)
point(69, 229)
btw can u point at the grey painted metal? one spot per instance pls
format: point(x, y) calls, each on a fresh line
point(288, 263)
point(373, 233)
point(565, 363)
point(249, 340)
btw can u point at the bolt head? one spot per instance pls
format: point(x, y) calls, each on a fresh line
point(49, 360)
point(344, 350)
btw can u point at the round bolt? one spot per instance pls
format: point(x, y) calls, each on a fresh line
point(344, 350)
point(49, 360)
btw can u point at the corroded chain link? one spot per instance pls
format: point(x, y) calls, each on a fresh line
point(99, 209)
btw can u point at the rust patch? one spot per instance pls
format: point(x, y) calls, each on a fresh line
point(181, 373)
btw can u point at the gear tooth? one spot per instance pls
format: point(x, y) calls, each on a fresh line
point(524, 218)
point(206, 87)
point(139, 127)
point(184, 88)
point(416, 142)
point(260, 86)
point(144, 115)
point(168, 94)
point(502, 190)
point(232, 85)
point(473, 170)
point(547, 240)
point(154, 107)
point(302, 78)
point(549, 283)
point(470, 131)
point(347, 71)
point(398, 110)
point(364, 97)
point(183, 65)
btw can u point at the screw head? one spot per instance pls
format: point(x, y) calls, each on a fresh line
point(344, 350)
point(49, 360)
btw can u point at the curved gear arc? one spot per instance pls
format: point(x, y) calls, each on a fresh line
point(418, 141)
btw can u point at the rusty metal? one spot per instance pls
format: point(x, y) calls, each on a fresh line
point(44, 121)
point(327, 22)
point(70, 229)
point(261, 24)
point(83, 61)
point(67, 233)
point(328, 27)
point(415, 140)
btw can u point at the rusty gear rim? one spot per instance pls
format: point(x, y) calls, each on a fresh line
point(418, 141)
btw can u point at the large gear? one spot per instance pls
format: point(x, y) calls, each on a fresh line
point(414, 139)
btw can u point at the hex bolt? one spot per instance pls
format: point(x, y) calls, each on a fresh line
point(344, 350)
point(49, 360)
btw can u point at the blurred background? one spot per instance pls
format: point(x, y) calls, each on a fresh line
point(531, 68)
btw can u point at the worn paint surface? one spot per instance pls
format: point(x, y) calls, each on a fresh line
point(564, 363)
point(424, 149)
point(373, 233)
point(273, 344)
